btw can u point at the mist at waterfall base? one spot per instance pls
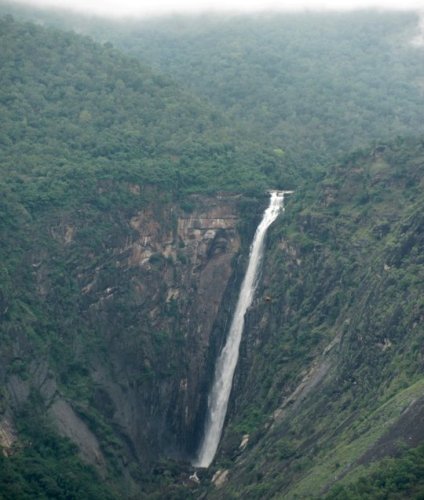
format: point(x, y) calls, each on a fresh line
point(227, 360)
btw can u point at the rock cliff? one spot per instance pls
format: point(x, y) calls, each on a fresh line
point(134, 379)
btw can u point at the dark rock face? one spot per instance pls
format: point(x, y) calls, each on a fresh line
point(148, 310)
point(179, 268)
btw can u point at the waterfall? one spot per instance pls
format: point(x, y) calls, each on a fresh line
point(227, 360)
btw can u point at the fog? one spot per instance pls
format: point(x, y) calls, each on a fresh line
point(157, 7)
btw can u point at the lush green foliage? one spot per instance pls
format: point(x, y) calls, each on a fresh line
point(44, 465)
point(313, 86)
point(395, 478)
point(75, 113)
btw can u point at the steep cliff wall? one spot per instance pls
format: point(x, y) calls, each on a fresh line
point(125, 319)
point(174, 269)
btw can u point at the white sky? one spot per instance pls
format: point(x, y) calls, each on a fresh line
point(148, 7)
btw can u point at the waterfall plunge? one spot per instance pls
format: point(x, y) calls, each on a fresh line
point(227, 360)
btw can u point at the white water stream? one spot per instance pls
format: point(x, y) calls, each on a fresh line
point(227, 360)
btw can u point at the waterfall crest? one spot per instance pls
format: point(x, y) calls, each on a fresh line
point(227, 360)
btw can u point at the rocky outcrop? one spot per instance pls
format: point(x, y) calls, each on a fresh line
point(156, 314)
point(8, 436)
point(70, 425)
point(63, 417)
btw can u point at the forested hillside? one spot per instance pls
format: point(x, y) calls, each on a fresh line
point(131, 183)
point(98, 156)
point(67, 102)
point(315, 86)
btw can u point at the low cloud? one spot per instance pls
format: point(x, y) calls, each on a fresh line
point(155, 7)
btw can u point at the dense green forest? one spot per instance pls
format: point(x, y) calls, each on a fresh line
point(312, 86)
point(73, 105)
point(315, 86)
point(116, 140)
point(48, 467)
point(395, 478)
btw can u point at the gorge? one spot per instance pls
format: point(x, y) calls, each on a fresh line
point(133, 177)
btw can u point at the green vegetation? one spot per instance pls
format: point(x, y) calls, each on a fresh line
point(312, 86)
point(394, 478)
point(46, 465)
point(98, 153)
point(344, 280)
point(76, 114)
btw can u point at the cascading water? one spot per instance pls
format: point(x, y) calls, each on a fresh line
point(227, 360)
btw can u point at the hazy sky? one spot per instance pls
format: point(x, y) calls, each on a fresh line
point(143, 7)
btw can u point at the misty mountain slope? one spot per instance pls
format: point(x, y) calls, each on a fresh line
point(330, 379)
point(105, 264)
point(315, 85)
point(312, 86)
